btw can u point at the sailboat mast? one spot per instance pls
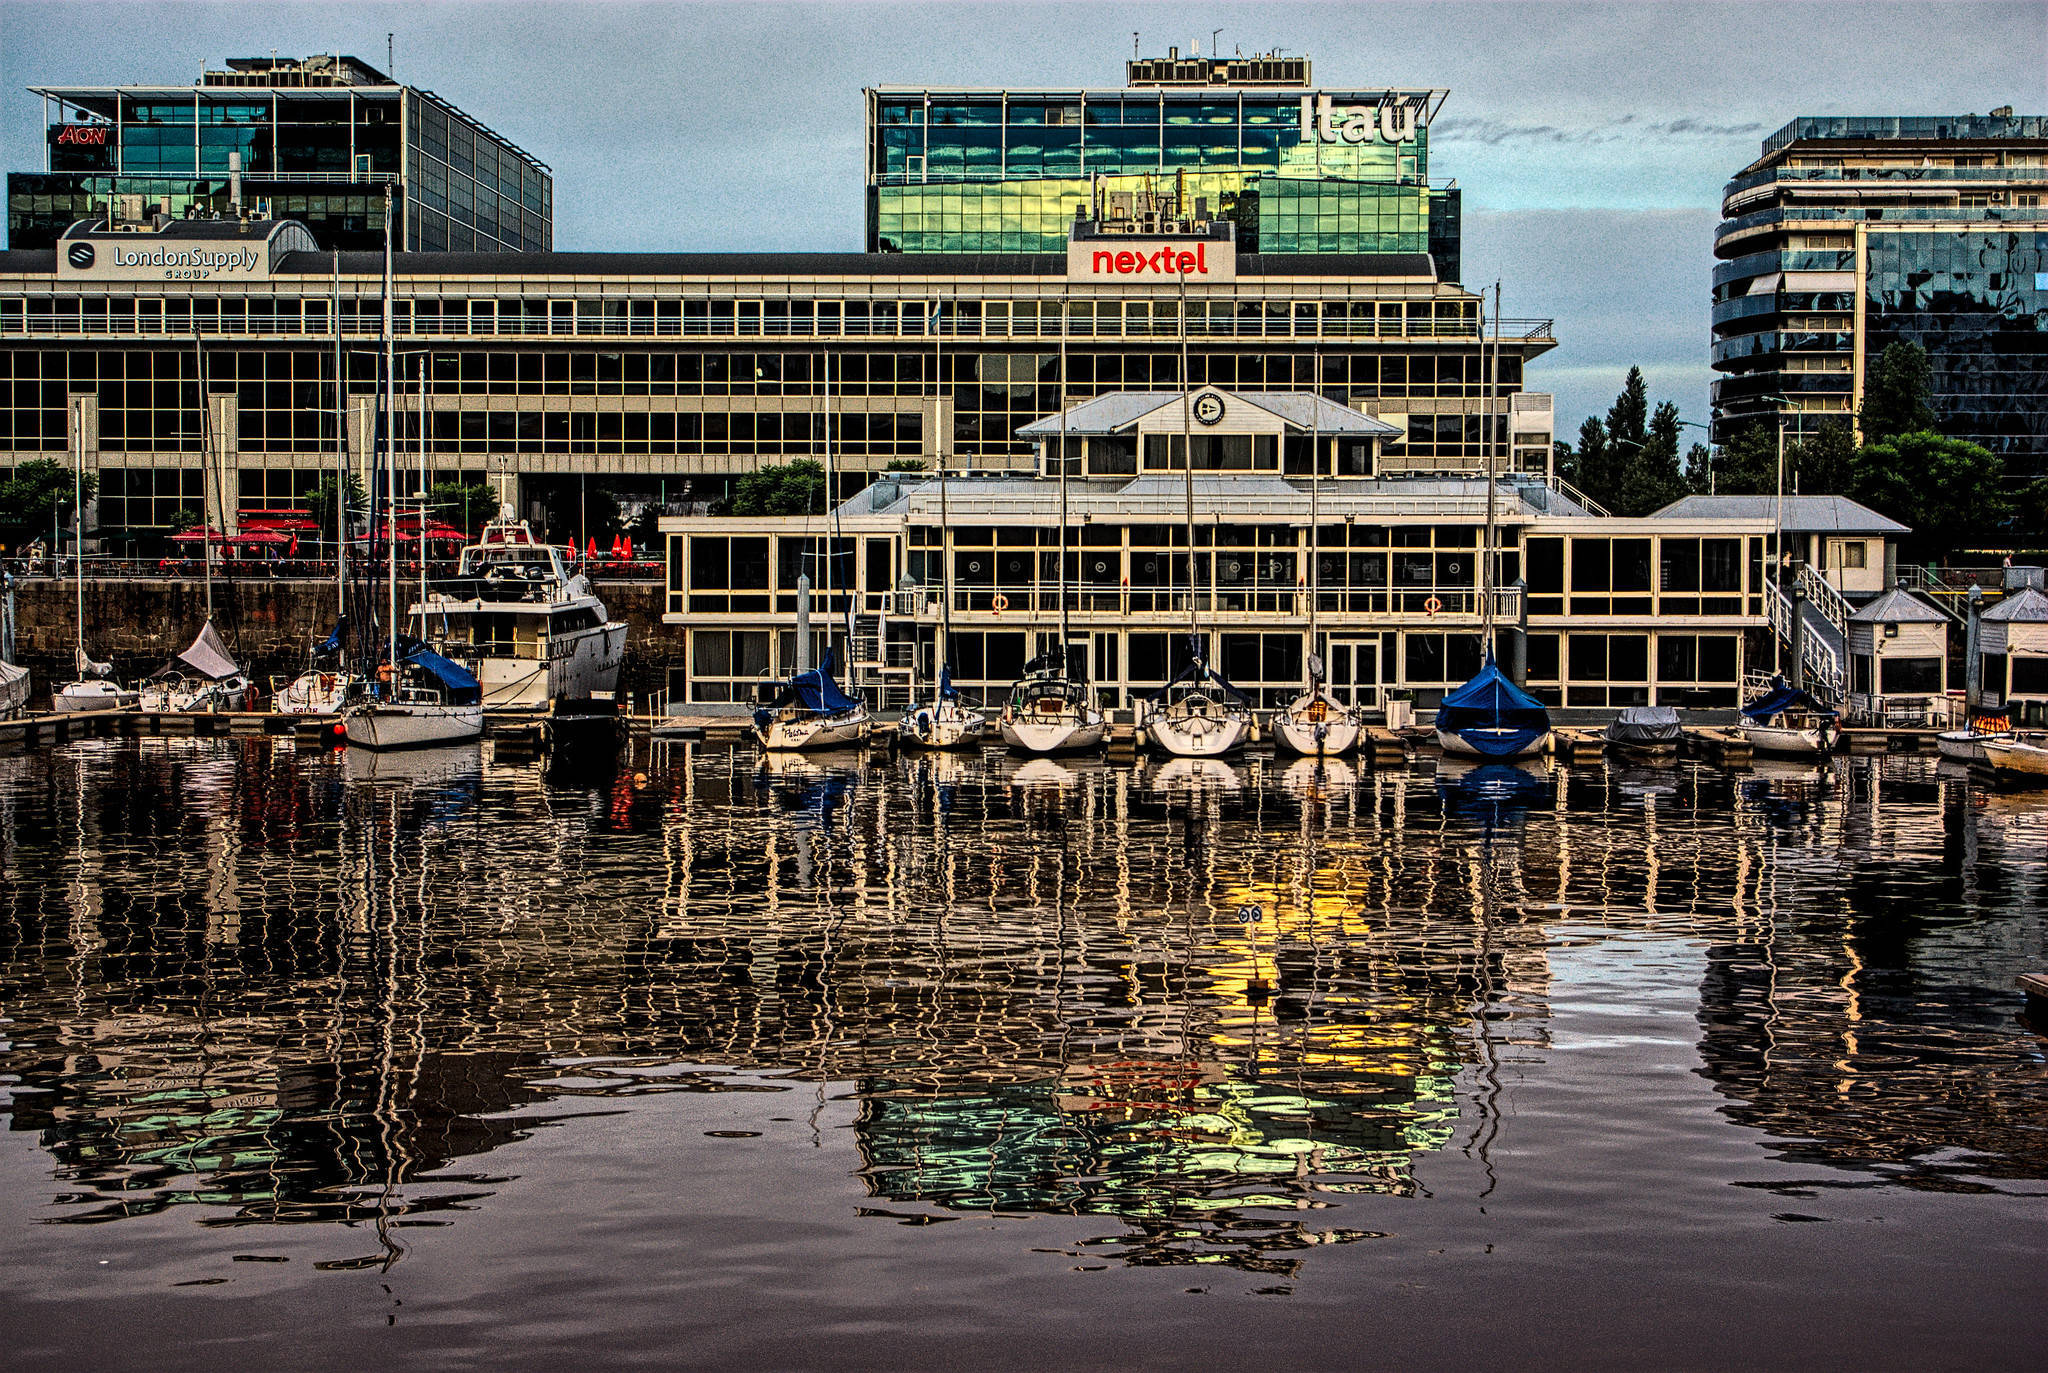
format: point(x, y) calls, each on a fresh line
point(422, 527)
point(340, 458)
point(78, 518)
point(390, 456)
point(1486, 554)
point(1187, 459)
point(206, 475)
point(945, 645)
point(1063, 486)
point(1315, 511)
point(829, 509)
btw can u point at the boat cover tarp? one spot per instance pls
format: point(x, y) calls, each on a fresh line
point(13, 688)
point(457, 682)
point(814, 691)
point(947, 691)
point(206, 657)
point(88, 668)
point(1646, 725)
point(332, 643)
point(1784, 696)
point(1197, 670)
point(1493, 715)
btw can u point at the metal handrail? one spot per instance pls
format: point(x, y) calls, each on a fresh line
point(1818, 659)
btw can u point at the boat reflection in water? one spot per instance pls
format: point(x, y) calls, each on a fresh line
point(1222, 1012)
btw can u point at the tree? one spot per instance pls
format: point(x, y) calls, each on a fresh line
point(1747, 464)
point(320, 504)
point(905, 465)
point(1646, 476)
point(1895, 394)
point(1949, 491)
point(187, 517)
point(1825, 464)
point(1699, 467)
point(39, 492)
point(466, 504)
point(796, 488)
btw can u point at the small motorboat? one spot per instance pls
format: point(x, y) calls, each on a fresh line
point(809, 711)
point(1787, 721)
point(1646, 733)
point(1967, 745)
point(943, 723)
point(2020, 759)
point(1490, 717)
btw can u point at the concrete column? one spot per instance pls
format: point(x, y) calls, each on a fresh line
point(1973, 660)
point(82, 422)
point(221, 488)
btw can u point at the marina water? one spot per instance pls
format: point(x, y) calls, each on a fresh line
point(697, 1059)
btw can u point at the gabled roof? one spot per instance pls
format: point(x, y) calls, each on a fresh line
point(1801, 514)
point(1898, 606)
point(1119, 411)
point(2025, 606)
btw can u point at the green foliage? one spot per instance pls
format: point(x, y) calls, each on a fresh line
point(905, 465)
point(465, 504)
point(1895, 394)
point(39, 490)
point(1747, 464)
point(1825, 464)
point(796, 488)
point(1629, 462)
point(320, 504)
point(191, 517)
point(1950, 491)
point(1699, 465)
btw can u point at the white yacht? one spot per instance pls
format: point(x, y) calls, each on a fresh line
point(514, 615)
point(202, 678)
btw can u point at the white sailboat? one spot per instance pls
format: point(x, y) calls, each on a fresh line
point(1316, 724)
point(94, 688)
point(14, 680)
point(422, 699)
point(203, 677)
point(1049, 711)
point(327, 685)
point(944, 722)
point(1197, 714)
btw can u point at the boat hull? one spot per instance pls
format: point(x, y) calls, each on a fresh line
point(582, 665)
point(1067, 734)
point(1198, 734)
point(944, 726)
point(2024, 761)
point(399, 725)
point(1965, 746)
point(315, 693)
point(1785, 740)
point(75, 697)
point(843, 729)
point(1461, 746)
point(13, 689)
point(1329, 737)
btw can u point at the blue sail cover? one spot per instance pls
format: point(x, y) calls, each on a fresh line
point(1493, 715)
point(457, 682)
point(1783, 697)
point(947, 691)
point(332, 643)
point(814, 691)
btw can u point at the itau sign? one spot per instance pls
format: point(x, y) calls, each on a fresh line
point(1124, 258)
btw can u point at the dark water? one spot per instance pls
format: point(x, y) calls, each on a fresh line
point(308, 1061)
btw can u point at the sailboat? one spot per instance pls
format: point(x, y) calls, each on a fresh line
point(1048, 710)
point(94, 687)
point(1490, 717)
point(14, 682)
point(1184, 717)
point(204, 677)
point(945, 722)
point(327, 685)
point(422, 699)
point(1788, 721)
point(809, 711)
point(1316, 724)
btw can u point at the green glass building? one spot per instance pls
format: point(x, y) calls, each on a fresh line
point(1299, 170)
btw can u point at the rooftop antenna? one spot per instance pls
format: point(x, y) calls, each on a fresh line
point(1215, 47)
point(390, 56)
point(1134, 45)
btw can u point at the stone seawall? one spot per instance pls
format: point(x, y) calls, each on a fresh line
point(268, 624)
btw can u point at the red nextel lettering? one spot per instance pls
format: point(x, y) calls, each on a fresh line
point(1167, 261)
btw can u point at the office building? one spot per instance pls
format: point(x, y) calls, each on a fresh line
point(1853, 233)
point(314, 139)
point(1298, 170)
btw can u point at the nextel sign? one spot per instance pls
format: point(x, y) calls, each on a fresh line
point(1122, 258)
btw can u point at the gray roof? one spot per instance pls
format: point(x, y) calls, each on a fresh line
point(2025, 606)
point(1802, 514)
point(1899, 606)
point(1119, 410)
point(1162, 497)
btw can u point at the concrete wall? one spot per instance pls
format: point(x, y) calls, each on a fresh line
point(267, 623)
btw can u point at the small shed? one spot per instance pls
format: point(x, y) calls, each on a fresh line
point(1898, 654)
point(2013, 642)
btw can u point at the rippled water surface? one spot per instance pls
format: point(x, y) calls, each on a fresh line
point(310, 1060)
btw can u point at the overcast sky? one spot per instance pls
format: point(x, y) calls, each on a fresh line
point(1591, 141)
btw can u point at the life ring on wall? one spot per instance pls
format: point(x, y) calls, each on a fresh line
point(1433, 605)
point(1001, 603)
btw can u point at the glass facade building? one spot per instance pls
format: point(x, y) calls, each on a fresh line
point(1851, 234)
point(982, 171)
point(314, 139)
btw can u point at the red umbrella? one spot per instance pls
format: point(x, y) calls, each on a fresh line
point(615, 548)
point(591, 552)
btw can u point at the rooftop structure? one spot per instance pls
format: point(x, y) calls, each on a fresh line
point(1298, 171)
point(316, 139)
point(1852, 233)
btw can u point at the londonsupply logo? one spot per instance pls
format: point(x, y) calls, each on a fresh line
point(79, 255)
point(234, 260)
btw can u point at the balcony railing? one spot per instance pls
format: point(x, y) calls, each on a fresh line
point(1410, 603)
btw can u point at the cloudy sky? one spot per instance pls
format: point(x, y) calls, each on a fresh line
point(1592, 141)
